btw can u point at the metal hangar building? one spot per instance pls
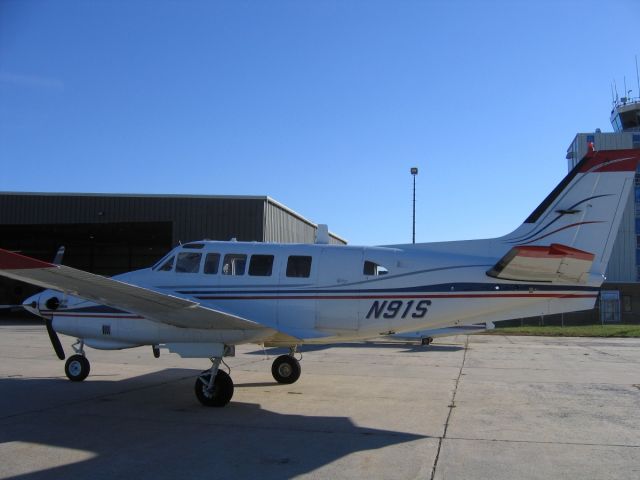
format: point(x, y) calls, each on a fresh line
point(110, 234)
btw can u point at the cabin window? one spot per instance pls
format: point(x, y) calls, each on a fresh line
point(299, 266)
point(211, 263)
point(261, 265)
point(168, 265)
point(234, 264)
point(373, 269)
point(188, 262)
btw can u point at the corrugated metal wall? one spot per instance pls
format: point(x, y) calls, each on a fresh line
point(193, 218)
point(622, 265)
point(286, 226)
point(281, 226)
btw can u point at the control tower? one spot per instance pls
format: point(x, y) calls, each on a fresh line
point(620, 295)
point(625, 116)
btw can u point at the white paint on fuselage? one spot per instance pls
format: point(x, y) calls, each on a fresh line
point(337, 300)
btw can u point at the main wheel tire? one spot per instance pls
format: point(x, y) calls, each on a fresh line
point(77, 368)
point(221, 392)
point(286, 369)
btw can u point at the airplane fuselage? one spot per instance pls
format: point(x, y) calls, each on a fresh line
point(315, 293)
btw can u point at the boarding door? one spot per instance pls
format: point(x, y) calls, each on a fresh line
point(337, 300)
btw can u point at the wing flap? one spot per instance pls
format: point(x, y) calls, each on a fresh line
point(147, 303)
point(552, 263)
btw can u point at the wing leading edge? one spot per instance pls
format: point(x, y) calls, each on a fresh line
point(155, 306)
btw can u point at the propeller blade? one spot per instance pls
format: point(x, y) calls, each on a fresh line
point(57, 260)
point(9, 307)
point(55, 341)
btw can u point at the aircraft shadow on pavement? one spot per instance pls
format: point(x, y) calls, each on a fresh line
point(401, 347)
point(151, 426)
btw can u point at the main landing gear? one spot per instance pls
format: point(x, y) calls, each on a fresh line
point(77, 366)
point(214, 387)
point(286, 368)
point(426, 341)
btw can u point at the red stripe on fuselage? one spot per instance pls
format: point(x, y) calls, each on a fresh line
point(407, 297)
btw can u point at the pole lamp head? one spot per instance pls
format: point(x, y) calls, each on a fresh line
point(414, 170)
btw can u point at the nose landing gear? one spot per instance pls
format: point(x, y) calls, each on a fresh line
point(77, 366)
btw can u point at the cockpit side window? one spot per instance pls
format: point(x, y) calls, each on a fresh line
point(188, 262)
point(211, 262)
point(168, 265)
point(373, 269)
point(234, 264)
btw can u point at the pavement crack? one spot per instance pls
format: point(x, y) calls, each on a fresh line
point(451, 406)
point(545, 442)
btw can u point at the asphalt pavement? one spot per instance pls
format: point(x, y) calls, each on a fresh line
point(466, 407)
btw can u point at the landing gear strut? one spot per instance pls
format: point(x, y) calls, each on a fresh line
point(77, 366)
point(214, 387)
point(286, 368)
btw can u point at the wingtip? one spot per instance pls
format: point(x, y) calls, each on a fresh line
point(15, 261)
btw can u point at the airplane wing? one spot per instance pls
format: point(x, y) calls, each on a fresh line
point(553, 263)
point(155, 306)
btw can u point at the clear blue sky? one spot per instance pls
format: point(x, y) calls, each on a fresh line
point(322, 105)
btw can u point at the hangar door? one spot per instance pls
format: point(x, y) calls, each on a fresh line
point(103, 248)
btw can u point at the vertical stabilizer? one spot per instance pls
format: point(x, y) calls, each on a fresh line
point(583, 212)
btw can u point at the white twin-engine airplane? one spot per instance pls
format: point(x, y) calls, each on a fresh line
point(205, 297)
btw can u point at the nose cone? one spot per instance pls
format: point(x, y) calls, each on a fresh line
point(31, 304)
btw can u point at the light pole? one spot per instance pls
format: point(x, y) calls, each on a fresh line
point(414, 172)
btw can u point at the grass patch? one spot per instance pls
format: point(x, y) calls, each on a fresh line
point(627, 331)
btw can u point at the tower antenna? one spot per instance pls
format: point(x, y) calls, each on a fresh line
point(613, 99)
point(637, 77)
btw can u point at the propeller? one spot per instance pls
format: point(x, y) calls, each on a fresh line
point(57, 260)
point(53, 303)
point(55, 341)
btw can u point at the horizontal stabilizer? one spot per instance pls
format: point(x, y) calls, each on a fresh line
point(552, 263)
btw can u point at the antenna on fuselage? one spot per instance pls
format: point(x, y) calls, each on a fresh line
point(322, 234)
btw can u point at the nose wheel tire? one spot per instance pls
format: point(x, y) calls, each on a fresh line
point(220, 392)
point(77, 368)
point(286, 369)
